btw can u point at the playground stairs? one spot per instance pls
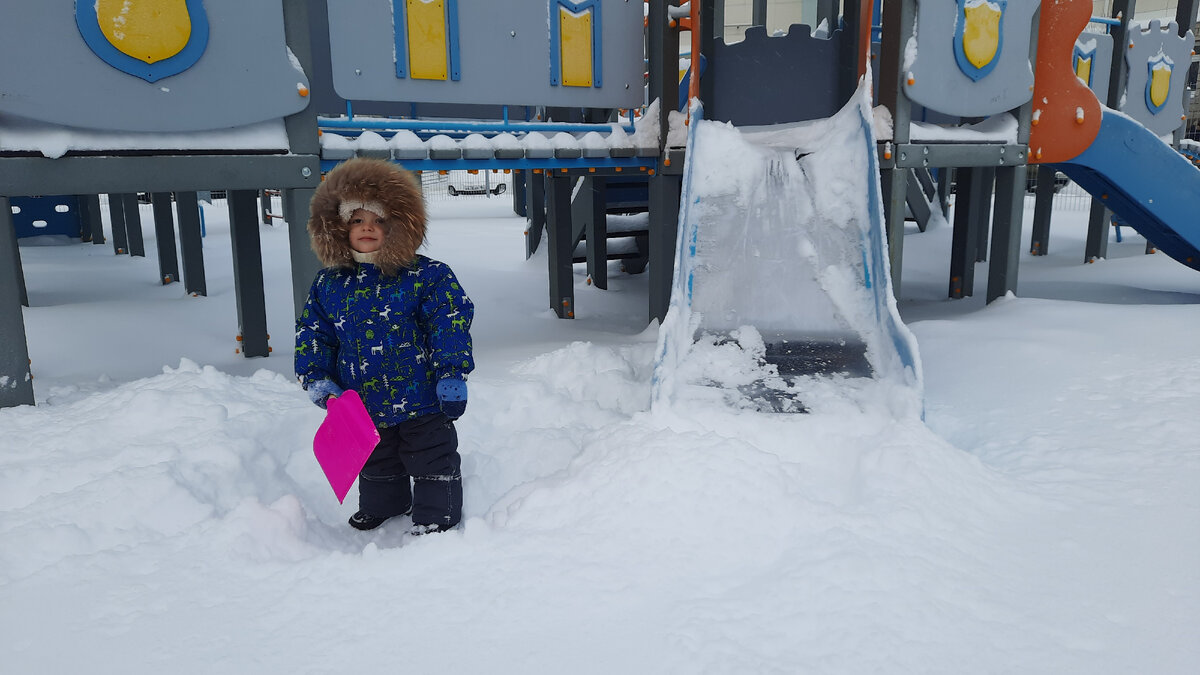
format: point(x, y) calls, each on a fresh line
point(625, 235)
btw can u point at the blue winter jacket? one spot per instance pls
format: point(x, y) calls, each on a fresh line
point(388, 338)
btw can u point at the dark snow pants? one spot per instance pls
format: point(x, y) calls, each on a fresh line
point(425, 449)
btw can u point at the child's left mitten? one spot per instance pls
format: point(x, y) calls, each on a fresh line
point(452, 394)
point(321, 390)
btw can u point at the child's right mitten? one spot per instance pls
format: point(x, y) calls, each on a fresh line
point(452, 394)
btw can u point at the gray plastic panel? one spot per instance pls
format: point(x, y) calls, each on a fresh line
point(244, 76)
point(939, 83)
point(504, 58)
point(1146, 45)
point(768, 80)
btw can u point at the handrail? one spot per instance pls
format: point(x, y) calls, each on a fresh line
point(465, 125)
point(694, 82)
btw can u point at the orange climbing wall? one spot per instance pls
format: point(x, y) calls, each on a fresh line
point(1066, 114)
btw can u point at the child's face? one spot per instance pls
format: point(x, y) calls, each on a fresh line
point(366, 231)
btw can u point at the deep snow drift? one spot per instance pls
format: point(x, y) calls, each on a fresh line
point(161, 511)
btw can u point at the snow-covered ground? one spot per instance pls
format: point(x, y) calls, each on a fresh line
point(161, 510)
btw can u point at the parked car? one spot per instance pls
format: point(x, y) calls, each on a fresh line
point(477, 190)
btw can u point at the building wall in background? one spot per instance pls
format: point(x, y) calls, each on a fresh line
point(780, 15)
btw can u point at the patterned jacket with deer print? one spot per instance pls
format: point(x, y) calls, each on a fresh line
point(390, 338)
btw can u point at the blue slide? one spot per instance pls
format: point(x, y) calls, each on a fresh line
point(1145, 182)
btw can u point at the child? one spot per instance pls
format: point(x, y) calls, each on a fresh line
point(393, 326)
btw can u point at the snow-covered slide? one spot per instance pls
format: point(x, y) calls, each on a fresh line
point(782, 291)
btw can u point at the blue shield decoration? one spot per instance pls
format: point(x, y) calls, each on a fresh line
point(978, 36)
point(1158, 82)
point(149, 68)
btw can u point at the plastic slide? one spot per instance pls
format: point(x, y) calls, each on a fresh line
point(1145, 182)
point(781, 273)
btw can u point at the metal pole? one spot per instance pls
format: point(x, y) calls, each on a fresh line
point(133, 225)
point(187, 207)
point(164, 238)
point(16, 381)
point(116, 216)
point(663, 50)
point(248, 272)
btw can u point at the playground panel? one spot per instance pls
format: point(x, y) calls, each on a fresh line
point(970, 58)
point(233, 70)
point(534, 52)
point(1158, 60)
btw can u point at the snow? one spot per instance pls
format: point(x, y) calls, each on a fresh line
point(161, 510)
point(405, 139)
point(370, 140)
point(1000, 128)
point(19, 134)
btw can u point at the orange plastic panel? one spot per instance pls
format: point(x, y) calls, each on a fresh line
point(1066, 114)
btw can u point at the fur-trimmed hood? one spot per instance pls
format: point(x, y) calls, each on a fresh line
point(368, 180)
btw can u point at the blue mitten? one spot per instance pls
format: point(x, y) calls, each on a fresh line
point(320, 391)
point(453, 396)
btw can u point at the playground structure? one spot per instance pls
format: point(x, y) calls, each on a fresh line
point(448, 86)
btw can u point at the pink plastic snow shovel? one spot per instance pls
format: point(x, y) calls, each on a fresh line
point(344, 441)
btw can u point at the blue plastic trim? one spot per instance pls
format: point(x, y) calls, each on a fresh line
point(452, 39)
point(400, 36)
point(89, 28)
point(960, 56)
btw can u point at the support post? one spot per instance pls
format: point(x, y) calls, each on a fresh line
point(133, 225)
point(537, 213)
point(164, 238)
point(595, 229)
point(11, 256)
point(1096, 245)
point(264, 204)
point(187, 207)
point(302, 136)
point(897, 29)
point(247, 272)
point(89, 210)
point(116, 216)
point(758, 12)
point(519, 195)
point(981, 222)
point(305, 264)
point(1099, 219)
point(16, 381)
point(663, 50)
point(943, 189)
point(1043, 205)
point(561, 246)
point(1006, 231)
point(963, 238)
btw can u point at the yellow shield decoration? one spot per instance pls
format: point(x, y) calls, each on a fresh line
point(1159, 86)
point(147, 30)
point(981, 32)
point(1083, 69)
point(427, 37)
